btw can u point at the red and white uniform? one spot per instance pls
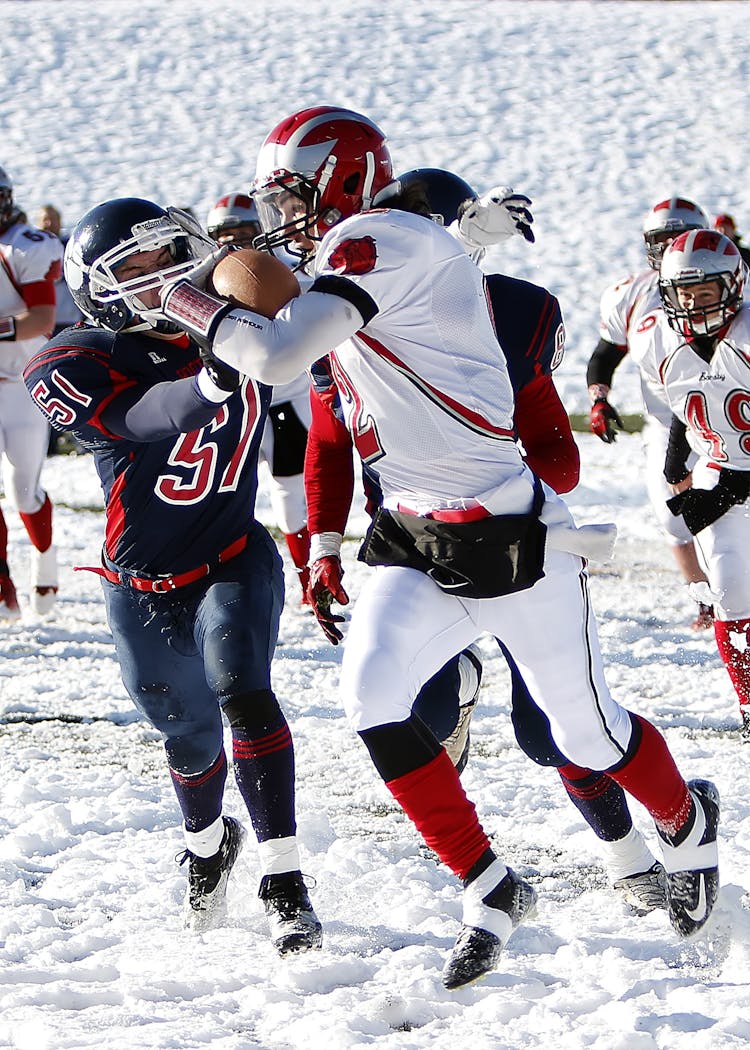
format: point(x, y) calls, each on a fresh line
point(30, 262)
point(713, 400)
point(628, 312)
point(429, 404)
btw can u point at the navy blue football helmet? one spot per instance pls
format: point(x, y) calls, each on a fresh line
point(105, 237)
point(440, 194)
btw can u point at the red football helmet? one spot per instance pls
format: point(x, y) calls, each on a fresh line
point(665, 221)
point(701, 257)
point(315, 168)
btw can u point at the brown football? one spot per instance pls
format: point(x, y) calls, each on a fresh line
point(256, 280)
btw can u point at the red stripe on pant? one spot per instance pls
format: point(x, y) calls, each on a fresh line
point(434, 800)
point(652, 777)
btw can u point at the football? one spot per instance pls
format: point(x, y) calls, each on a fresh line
point(256, 280)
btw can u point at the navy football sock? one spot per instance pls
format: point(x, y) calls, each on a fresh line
point(264, 771)
point(200, 794)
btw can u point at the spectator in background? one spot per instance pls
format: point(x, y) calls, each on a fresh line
point(725, 224)
point(48, 218)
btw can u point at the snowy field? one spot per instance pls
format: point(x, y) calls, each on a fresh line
point(596, 110)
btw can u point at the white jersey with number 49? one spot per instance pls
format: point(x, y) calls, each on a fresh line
point(712, 398)
point(424, 384)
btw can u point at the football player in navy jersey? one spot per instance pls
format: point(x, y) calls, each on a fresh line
point(467, 540)
point(192, 582)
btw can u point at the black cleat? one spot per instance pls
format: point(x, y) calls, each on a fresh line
point(691, 859)
point(491, 914)
point(645, 891)
point(294, 925)
point(205, 903)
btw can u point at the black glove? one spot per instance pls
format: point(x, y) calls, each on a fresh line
point(222, 375)
point(603, 415)
point(702, 507)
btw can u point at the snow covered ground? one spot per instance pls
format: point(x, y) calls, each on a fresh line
point(596, 110)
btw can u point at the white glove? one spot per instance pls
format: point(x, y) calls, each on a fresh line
point(202, 246)
point(496, 215)
point(205, 268)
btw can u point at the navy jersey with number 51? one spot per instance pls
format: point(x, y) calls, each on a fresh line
point(179, 473)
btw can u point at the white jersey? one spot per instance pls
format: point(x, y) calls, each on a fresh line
point(424, 385)
point(628, 310)
point(712, 399)
point(27, 257)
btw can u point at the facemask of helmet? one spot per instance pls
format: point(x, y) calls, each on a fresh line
point(667, 220)
point(111, 233)
point(315, 168)
point(234, 220)
point(694, 258)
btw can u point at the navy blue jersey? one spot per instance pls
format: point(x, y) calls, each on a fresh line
point(179, 473)
point(529, 327)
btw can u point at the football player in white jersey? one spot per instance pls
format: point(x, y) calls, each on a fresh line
point(30, 263)
point(460, 541)
point(626, 309)
point(703, 344)
point(234, 220)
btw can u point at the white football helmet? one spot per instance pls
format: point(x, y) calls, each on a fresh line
point(234, 219)
point(698, 257)
point(315, 168)
point(665, 221)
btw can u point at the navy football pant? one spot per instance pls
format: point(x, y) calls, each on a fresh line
point(181, 652)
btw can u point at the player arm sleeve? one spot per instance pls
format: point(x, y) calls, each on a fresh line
point(678, 450)
point(603, 362)
point(276, 350)
point(544, 430)
point(159, 412)
point(329, 467)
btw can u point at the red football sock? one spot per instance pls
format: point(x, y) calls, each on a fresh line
point(735, 653)
point(299, 548)
point(434, 800)
point(39, 526)
point(652, 777)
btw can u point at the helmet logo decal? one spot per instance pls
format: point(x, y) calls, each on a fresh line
point(356, 256)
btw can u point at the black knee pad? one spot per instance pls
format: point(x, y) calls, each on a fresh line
point(252, 712)
point(398, 748)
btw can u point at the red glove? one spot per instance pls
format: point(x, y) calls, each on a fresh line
point(603, 415)
point(324, 588)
